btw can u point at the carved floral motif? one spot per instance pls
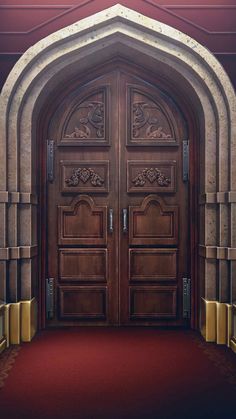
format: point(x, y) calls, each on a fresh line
point(84, 174)
point(94, 117)
point(141, 117)
point(80, 133)
point(152, 175)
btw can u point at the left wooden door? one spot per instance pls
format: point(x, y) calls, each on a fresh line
point(82, 206)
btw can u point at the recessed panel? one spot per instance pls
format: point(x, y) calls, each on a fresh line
point(151, 176)
point(83, 302)
point(84, 176)
point(82, 222)
point(153, 222)
point(84, 265)
point(152, 265)
point(153, 302)
point(87, 122)
point(149, 121)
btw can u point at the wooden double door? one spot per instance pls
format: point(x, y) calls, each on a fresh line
point(117, 205)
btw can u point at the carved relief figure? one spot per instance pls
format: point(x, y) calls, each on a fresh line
point(94, 118)
point(142, 117)
point(79, 133)
point(153, 131)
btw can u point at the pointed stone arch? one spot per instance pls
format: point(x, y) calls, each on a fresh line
point(124, 32)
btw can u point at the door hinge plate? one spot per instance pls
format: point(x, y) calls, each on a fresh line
point(50, 298)
point(186, 298)
point(50, 160)
point(185, 160)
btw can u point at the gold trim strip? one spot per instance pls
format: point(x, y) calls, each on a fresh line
point(208, 315)
point(3, 345)
point(7, 323)
point(221, 323)
point(233, 345)
point(28, 320)
point(15, 323)
point(229, 313)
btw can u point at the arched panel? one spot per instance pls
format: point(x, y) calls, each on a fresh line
point(153, 223)
point(152, 118)
point(82, 222)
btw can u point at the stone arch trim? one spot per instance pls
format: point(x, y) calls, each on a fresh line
point(121, 31)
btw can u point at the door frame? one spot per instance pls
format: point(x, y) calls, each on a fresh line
point(208, 91)
point(43, 121)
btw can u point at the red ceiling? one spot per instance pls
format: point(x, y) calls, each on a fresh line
point(213, 24)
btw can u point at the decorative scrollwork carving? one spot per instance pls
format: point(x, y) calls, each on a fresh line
point(141, 117)
point(153, 131)
point(80, 133)
point(84, 174)
point(152, 175)
point(94, 117)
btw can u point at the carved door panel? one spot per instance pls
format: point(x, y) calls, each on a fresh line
point(154, 244)
point(117, 206)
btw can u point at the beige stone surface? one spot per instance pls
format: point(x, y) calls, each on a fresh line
point(164, 50)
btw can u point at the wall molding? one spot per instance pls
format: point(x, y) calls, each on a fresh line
point(188, 21)
point(20, 252)
point(217, 198)
point(71, 8)
point(48, 21)
point(18, 198)
point(217, 252)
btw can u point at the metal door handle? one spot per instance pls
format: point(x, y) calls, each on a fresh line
point(125, 220)
point(111, 229)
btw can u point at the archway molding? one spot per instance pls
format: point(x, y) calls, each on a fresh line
point(166, 51)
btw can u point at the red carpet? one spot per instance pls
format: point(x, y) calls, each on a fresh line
point(120, 373)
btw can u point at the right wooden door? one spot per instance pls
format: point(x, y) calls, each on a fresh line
point(118, 219)
point(154, 230)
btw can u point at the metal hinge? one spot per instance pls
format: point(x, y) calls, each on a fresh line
point(186, 298)
point(185, 160)
point(50, 298)
point(50, 160)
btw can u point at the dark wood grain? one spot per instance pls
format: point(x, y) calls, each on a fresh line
point(117, 278)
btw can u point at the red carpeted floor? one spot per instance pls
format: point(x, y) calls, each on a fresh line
point(120, 373)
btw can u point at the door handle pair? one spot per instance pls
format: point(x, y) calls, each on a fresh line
point(124, 220)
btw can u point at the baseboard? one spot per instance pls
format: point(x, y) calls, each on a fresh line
point(3, 345)
point(229, 313)
point(22, 321)
point(208, 320)
point(28, 320)
point(7, 323)
point(14, 323)
point(233, 345)
point(217, 323)
point(221, 323)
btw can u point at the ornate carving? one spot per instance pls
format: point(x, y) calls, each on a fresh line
point(151, 174)
point(141, 117)
point(94, 117)
point(153, 131)
point(84, 174)
point(79, 133)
